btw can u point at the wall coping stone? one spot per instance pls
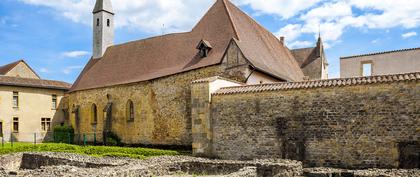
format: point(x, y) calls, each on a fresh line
point(328, 83)
point(380, 53)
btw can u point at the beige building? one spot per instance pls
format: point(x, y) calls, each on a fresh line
point(389, 62)
point(141, 90)
point(29, 106)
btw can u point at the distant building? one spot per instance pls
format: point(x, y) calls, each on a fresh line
point(29, 106)
point(382, 63)
point(312, 61)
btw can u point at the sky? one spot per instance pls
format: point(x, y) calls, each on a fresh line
point(55, 36)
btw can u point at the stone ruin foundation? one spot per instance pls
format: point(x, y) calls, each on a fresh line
point(63, 164)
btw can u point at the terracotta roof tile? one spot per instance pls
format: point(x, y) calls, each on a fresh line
point(319, 84)
point(33, 83)
point(175, 53)
point(6, 68)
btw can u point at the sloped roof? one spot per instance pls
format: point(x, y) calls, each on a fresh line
point(303, 55)
point(306, 56)
point(262, 48)
point(175, 53)
point(33, 83)
point(103, 5)
point(6, 68)
point(340, 82)
point(380, 53)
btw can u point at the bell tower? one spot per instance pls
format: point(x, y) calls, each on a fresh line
point(103, 27)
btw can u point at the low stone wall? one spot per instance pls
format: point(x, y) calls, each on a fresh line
point(353, 123)
point(63, 164)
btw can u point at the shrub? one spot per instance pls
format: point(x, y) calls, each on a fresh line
point(63, 134)
point(113, 140)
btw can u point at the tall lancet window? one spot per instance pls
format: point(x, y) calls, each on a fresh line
point(130, 111)
point(97, 22)
point(108, 22)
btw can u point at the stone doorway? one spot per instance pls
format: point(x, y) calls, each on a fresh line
point(409, 155)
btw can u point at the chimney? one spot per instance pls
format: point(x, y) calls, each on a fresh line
point(282, 40)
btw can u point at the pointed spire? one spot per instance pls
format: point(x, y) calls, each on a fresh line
point(103, 5)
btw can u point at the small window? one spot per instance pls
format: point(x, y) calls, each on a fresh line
point(15, 124)
point(94, 114)
point(366, 69)
point(108, 22)
point(130, 111)
point(54, 102)
point(204, 48)
point(15, 99)
point(97, 22)
point(46, 124)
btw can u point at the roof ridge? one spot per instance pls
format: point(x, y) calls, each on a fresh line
point(36, 83)
point(24, 78)
point(338, 82)
point(380, 53)
point(230, 18)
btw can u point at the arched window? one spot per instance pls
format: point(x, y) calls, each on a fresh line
point(97, 22)
point(130, 111)
point(94, 114)
point(108, 22)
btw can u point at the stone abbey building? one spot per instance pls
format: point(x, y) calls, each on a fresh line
point(231, 89)
point(141, 90)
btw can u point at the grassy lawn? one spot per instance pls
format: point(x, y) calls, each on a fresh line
point(97, 151)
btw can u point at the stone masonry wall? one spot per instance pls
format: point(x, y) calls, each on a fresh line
point(162, 109)
point(356, 126)
point(162, 106)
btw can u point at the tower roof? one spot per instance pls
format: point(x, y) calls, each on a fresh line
point(103, 5)
point(170, 54)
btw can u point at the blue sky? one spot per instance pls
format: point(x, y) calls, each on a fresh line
point(55, 38)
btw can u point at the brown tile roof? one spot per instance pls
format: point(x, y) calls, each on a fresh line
point(380, 53)
point(303, 55)
point(33, 83)
point(320, 83)
point(6, 68)
point(175, 53)
point(306, 56)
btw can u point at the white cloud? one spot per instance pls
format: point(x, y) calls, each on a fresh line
point(333, 17)
point(290, 32)
point(176, 15)
point(75, 54)
point(146, 15)
point(70, 69)
point(282, 8)
point(44, 70)
point(300, 44)
point(408, 35)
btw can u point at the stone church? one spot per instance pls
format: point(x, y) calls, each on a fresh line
point(141, 90)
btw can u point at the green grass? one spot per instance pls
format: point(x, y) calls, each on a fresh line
point(97, 151)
